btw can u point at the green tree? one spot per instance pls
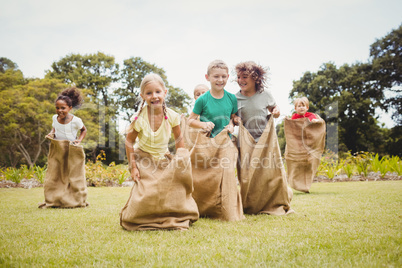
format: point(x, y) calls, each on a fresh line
point(25, 113)
point(133, 71)
point(178, 100)
point(96, 73)
point(350, 91)
point(386, 56)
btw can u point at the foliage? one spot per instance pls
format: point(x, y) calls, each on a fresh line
point(133, 71)
point(395, 165)
point(386, 56)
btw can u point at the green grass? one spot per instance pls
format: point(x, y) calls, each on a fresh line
point(351, 224)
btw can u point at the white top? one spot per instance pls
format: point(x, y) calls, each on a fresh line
point(67, 131)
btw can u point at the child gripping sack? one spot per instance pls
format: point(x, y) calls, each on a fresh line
point(161, 197)
point(65, 182)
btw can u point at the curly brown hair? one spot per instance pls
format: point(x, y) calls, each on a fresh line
point(72, 96)
point(257, 72)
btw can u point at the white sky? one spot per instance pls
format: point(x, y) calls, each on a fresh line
point(182, 37)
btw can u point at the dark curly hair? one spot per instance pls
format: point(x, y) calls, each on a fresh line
point(72, 96)
point(257, 72)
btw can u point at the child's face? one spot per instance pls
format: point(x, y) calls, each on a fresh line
point(199, 91)
point(62, 109)
point(218, 78)
point(301, 108)
point(154, 94)
point(246, 82)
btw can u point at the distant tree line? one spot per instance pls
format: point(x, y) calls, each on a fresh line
point(110, 92)
point(349, 99)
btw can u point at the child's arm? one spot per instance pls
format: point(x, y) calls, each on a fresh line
point(230, 127)
point(82, 135)
point(178, 137)
point(193, 122)
point(236, 120)
point(275, 111)
point(51, 134)
point(130, 140)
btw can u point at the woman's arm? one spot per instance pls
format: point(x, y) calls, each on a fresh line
point(132, 167)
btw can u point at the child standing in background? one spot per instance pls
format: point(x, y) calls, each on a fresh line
point(65, 182)
point(161, 195)
point(301, 107)
point(199, 90)
point(216, 107)
point(65, 125)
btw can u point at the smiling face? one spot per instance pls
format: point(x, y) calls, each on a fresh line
point(246, 83)
point(154, 94)
point(301, 108)
point(218, 78)
point(62, 109)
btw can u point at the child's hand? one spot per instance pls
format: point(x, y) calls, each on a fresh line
point(135, 174)
point(50, 136)
point(208, 126)
point(275, 112)
point(230, 127)
point(315, 120)
point(236, 120)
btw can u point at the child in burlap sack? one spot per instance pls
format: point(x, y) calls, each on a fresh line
point(260, 168)
point(161, 197)
point(214, 156)
point(305, 141)
point(65, 182)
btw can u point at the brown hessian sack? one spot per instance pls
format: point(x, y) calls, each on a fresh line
point(262, 176)
point(65, 183)
point(189, 133)
point(215, 186)
point(305, 142)
point(162, 198)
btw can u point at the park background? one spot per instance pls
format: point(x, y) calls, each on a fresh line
point(345, 56)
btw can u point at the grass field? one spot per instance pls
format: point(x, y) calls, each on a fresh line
point(351, 224)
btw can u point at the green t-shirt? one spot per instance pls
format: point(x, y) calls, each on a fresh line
point(217, 111)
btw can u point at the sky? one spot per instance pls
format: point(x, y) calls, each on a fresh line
point(289, 37)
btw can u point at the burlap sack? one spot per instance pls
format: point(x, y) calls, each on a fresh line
point(305, 142)
point(65, 183)
point(261, 173)
point(162, 198)
point(215, 186)
point(189, 133)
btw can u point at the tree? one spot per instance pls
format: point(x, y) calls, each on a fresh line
point(133, 71)
point(386, 56)
point(25, 113)
point(96, 73)
point(349, 91)
point(7, 64)
point(177, 99)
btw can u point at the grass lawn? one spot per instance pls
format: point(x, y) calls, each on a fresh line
point(350, 224)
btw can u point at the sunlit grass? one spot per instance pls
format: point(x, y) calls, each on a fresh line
point(353, 224)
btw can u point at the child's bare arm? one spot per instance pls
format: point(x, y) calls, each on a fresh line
point(178, 137)
point(130, 140)
point(193, 122)
point(230, 127)
point(82, 135)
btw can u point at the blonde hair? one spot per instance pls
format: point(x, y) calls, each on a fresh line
point(303, 100)
point(217, 64)
point(201, 86)
point(152, 77)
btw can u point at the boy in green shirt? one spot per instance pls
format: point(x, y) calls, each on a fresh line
point(216, 107)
